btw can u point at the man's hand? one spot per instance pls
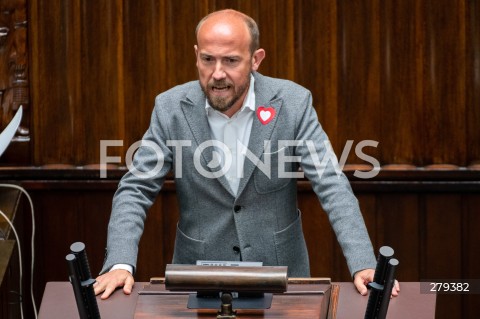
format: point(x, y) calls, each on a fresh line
point(108, 282)
point(363, 277)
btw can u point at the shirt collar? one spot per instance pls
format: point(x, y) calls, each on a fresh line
point(248, 102)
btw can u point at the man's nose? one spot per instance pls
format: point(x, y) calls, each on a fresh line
point(219, 72)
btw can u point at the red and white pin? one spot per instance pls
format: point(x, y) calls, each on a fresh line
point(265, 114)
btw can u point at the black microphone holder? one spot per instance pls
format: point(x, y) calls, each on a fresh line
point(382, 285)
point(82, 282)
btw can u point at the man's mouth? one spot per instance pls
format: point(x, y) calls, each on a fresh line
point(220, 88)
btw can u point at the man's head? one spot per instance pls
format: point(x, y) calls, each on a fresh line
point(227, 52)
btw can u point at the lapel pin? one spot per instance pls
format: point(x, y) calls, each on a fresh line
point(265, 114)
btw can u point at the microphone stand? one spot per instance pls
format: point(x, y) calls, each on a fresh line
point(82, 282)
point(382, 285)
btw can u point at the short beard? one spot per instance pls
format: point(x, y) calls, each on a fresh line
point(222, 104)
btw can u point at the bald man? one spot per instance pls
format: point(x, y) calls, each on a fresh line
point(235, 140)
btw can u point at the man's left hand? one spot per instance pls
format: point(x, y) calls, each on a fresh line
point(363, 277)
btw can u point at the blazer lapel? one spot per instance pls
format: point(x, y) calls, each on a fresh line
point(193, 107)
point(260, 133)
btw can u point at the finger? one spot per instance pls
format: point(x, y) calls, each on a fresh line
point(360, 285)
point(98, 287)
point(394, 292)
point(108, 291)
point(395, 289)
point(127, 288)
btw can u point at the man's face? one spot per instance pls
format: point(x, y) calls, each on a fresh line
point(224, 63)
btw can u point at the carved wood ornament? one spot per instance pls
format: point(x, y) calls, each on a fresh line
point(14, 65)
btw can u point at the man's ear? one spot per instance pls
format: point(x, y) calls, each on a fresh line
point(257, 58)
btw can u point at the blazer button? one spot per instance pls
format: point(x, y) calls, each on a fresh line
point(237, 208)
point(236, 249)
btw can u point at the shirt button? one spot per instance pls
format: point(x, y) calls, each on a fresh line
point(237, 208)
point(236, 249)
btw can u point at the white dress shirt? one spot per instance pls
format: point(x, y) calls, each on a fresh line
point(234, 133)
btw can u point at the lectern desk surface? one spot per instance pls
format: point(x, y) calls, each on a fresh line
point(300, 301)
point(59, 303)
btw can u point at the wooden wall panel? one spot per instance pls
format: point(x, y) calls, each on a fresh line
point(439, 211)
point(359, 76)
point(182, 18)
point(403, 73)
point(434, 235)
point(279, 49)
point(63, 216)
point(442, 250)
point(444, 81)
point(472, 81)
point(51, 81)
point(145, 65)
point(398, 219)
point(101, 76)
point(315, 59)
point(400, 111)
point(470, 249)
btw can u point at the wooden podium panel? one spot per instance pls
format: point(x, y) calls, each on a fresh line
point(59, 303)
point(410, 303)
point(300, 301)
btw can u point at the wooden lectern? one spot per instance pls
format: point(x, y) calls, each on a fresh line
point(305, 298)
point(190, 291)
point(59, 303)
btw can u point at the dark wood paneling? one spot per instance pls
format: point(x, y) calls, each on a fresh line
point(434, 235)
point(316, 59)
point(403, 73)
point(472, 81)
point(56, 30)
point(145, 65)
point(442, 246)
point(401, 117)
point(443, 42)
point(359, 76)
point(102, 77)
point(398, 226)
point(470, 250)
point(272, 19)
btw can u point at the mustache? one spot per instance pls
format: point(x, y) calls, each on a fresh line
point(219, 83)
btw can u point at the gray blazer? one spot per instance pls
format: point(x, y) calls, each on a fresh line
point(260, 223)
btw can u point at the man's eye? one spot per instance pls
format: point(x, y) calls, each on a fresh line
point(207, 59)
point(232, 61)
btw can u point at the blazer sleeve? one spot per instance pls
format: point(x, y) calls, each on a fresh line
point(320, 166)
point(137, 191)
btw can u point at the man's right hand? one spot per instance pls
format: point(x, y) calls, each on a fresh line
point(108, 282)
